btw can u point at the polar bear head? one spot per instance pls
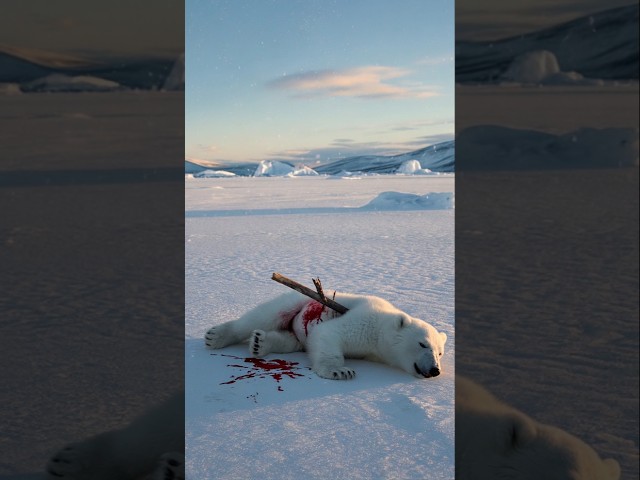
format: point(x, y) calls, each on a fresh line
point(511, 445)
point(497, 441)
point(415, 346)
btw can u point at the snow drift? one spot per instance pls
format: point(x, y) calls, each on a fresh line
point(410, 201)
point(491, 147)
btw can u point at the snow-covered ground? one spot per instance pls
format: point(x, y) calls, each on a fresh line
point(279, 420)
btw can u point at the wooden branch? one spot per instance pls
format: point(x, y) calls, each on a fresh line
point(310, 293)
point(318, 284)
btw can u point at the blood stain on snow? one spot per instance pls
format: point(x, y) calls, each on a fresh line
point(261, 368)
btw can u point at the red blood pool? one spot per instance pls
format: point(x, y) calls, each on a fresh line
point(261, 368)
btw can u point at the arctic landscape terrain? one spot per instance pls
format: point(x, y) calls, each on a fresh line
point(547, 143)
point(95, 151)
point(386, 235)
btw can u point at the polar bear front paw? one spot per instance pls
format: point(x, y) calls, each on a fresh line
point(257, 343)
point(171, 467)
point(87, 460)
point(342, 373)
point(215, 337)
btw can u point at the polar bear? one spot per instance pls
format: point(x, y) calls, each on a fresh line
point(494, 440)
point(372, 329)
point(149, 448)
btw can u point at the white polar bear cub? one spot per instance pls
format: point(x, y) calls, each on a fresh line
point(494, 440)
point(372, 329)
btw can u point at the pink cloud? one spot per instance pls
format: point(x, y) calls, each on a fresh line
point(362, 82)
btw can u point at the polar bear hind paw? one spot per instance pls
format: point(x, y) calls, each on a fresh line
point(171, 467)
point(342, 373)
point(257, 343)
point(64, 464)
point(215, 337)
point(81, 461)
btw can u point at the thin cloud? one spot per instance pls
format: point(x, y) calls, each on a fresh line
point(368, 82)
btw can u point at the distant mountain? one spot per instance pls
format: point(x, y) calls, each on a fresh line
point(19, 65)
point(437, 158)
point(603, 45)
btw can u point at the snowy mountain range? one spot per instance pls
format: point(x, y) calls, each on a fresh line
point(603, 46)
point(438, 158)
point(24, 66)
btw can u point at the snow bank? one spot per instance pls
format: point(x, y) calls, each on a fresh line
point(541, 67)
point(500, 148)
point(213, 174)
point(64, 83)
point(410, 201)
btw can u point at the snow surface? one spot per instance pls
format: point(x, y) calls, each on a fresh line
point(384, 423)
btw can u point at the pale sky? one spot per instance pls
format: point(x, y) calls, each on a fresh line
point(308, 80)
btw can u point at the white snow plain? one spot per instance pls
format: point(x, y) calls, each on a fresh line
point(289, 423)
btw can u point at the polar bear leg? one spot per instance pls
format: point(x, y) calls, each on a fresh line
point(92, 459)
point(125, 454)
point(275, 314)
point(261, 343)
point(327, 359)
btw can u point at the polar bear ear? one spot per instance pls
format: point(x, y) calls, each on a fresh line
point(443, 337)
point(613, 468)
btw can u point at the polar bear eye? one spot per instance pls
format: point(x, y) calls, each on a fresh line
point(423, 345)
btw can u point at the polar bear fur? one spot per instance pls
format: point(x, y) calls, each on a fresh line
point(372, 329)
point(149, 448)
point(494, 440)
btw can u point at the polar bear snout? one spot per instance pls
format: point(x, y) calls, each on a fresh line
point(431, 372)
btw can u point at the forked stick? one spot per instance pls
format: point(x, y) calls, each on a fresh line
point(317, 296)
